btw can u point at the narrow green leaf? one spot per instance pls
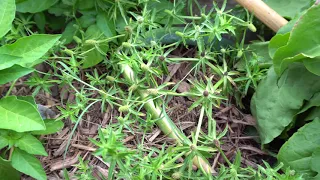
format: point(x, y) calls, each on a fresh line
point(19, 115)
point(52, 126)
point(30, 48)
point(7, 171)
point(31, 145)
point(7, 61)
point(13, 73)
point(34, 6)
point(301, 150)
point(27, 164)
point(7, 14)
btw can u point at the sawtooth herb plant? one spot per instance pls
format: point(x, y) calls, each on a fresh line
point(116, 54)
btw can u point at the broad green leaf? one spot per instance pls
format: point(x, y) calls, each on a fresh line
point(27, 164)
point(19, 115)
point(7, 171)
point(289, 8)
point(31, 145)
point(85, 4)
point(30, 48)
point(106, 25)
point(302, 149)
point(7, 14)
point(313, 113)
point(29, 99)
point(315, 162)
point(69, 32)
point(13, 73)
point(313, 102)
point(277, 42)
point(87, 20)
point(3, 142)
point(40, 20)
point(303, 44)
point(52, 126)
point(277, 101)
point(7, 61)
point(34, 6)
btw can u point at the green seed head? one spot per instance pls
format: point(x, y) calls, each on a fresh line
point(179, 34)
point(123, 108)
point(128, 29)
point(144, 67)
point(91, 42)
point(176, 175)
point(133, 87)
point(252, 27)
point(153, 91)
point(126, 44)
point(239, 54)
point(153, 43)
point(140, 19)
point(110, 78)
point(223, 50)
point(69, 52)
point(77, 39)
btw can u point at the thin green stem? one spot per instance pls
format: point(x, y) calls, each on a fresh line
point(11, 87)
point(199, 125)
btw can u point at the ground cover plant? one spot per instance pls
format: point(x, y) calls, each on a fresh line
point(150, 89)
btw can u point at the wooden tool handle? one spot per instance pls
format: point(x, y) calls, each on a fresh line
point(263, 12)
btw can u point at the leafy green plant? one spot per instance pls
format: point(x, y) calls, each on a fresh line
point(287, 99)
point(20, 120)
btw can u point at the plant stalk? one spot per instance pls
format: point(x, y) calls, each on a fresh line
point(165, 123)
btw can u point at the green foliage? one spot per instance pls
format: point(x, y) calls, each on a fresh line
point(300, 44)
point(7, 171)
point(277, 102)
point(34, 6)
point(7, 15)
point(27, 164)
point(301, 151)
point(19, 115)
point(116, 54)
point(288, 98)
point(292, 7)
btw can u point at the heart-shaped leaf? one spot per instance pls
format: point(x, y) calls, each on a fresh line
point(30, 48)
point(19, 115)
point(27, 164)
point(31, 145)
